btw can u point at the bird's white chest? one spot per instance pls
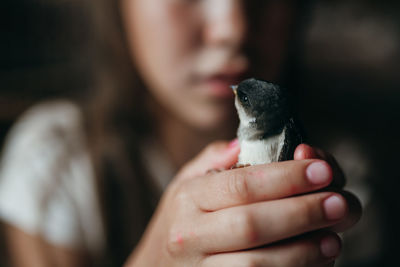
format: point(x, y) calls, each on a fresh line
point(255, 152)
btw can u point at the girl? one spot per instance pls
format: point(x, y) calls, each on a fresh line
point(80, 182)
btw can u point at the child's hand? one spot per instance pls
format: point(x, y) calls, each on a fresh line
point(264, 215)
point(304, 151)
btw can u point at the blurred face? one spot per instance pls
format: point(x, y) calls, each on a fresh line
point(189, 52)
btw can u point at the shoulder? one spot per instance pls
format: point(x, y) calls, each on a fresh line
point(46, 170)
point(36, 145)
point(33, 154)
point(46, 129)
point(47, 118)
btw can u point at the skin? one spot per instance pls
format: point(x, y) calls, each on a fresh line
point(220, 219)
point(241, 217)
point(31, 250)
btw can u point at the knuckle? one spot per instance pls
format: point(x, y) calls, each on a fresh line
point(182, 195)
point(179, 198)
point(179, 241)
point(244, 225)
point(238, 187)
point(174, 243)
point(251, 262)
point(177, 237)
point(214, 147)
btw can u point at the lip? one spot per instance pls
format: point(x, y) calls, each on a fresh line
point(219, 85)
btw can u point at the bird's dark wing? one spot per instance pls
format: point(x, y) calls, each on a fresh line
point(293, 137)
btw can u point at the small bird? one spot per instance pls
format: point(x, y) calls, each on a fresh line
point(267, 131)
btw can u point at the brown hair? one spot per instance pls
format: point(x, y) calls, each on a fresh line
point(116, 121)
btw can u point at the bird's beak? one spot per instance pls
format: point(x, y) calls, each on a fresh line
point(234, 89)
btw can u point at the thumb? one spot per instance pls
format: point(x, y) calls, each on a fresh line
point(217, 155)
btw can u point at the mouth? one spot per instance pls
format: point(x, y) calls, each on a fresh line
point(218, 71)
point(220, 85)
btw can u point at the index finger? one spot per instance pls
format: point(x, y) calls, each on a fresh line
point(260, 183)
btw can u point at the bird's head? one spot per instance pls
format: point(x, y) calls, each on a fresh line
point(262, 105)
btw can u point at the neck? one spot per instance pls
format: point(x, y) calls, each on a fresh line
point(182, 142)
point(249, 132)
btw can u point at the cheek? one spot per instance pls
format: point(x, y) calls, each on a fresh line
point(159, 35)
point(163, 39)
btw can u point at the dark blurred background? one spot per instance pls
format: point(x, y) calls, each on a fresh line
point(42, 53)
point(349, 84)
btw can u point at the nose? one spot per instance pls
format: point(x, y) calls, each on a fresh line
point(226, 23)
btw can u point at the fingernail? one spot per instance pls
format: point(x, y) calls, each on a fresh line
point(234, 143)
point(334, 207)
point(330, 247)
point(318, 172)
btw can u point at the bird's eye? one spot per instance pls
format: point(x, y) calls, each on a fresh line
point(243, 97)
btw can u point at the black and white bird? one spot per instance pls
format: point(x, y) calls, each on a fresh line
point(267, 131)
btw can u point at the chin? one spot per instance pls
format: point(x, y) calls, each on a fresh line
point(215, 121)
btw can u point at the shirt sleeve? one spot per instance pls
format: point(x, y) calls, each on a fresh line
point(46, 184)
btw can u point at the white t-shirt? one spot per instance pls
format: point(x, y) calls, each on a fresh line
point(47, 185)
